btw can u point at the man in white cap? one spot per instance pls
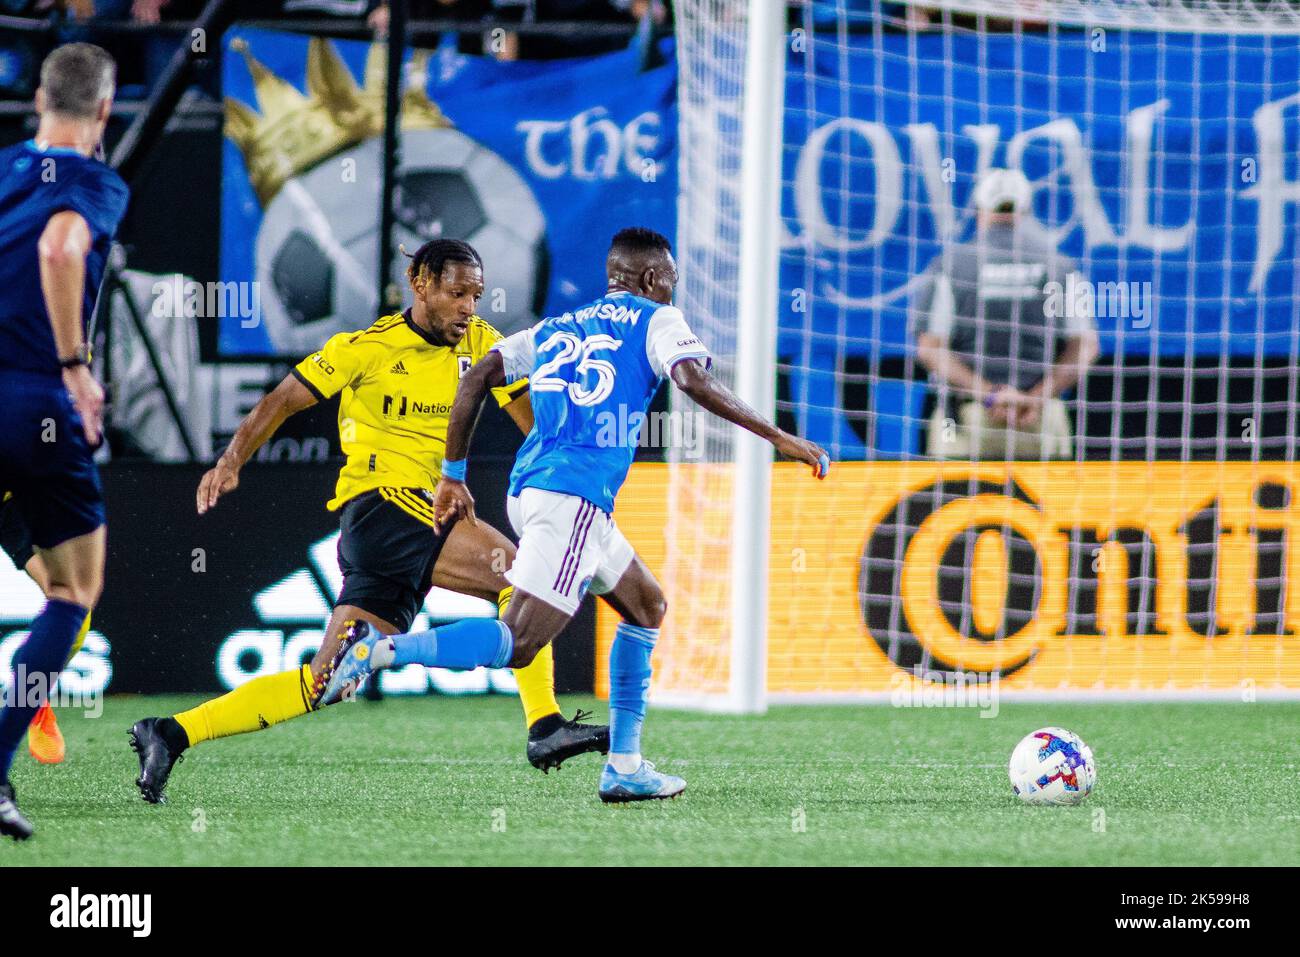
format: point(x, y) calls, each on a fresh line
point(991, 330)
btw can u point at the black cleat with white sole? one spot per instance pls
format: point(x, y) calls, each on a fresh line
point(12, 822)
point(552, 747)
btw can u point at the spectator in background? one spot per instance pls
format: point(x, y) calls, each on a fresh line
point(907, 15)
point(20, 56)
point(75, 9)
point(591, 11)
point(992, 332)
point(658, 10)
point(510, 45)
point(325, 8)
point(469, 43)
point(147, 11)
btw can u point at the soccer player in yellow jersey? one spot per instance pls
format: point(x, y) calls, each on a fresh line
point(398, 379)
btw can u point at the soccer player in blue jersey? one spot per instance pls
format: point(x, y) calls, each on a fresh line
point(588, 368)
point(59, 210)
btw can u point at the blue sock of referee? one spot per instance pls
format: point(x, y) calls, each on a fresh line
point(35, 671)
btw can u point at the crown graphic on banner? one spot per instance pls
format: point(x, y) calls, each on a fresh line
point(291, 132)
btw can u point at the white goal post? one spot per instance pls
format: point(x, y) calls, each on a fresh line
point(760, 259)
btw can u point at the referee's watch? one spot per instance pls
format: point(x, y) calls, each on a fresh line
point(81, 357)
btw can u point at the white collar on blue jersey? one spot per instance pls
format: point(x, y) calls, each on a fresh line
point(54, 150)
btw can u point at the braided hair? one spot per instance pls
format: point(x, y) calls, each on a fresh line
point(429, 260)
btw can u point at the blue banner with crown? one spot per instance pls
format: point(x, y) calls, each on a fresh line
point(536, 164)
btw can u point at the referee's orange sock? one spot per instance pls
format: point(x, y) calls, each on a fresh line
point(44, 739)
point(537, 680)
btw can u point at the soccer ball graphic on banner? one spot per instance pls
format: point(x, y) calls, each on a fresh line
point(316, 164)
point(317, 247)
point(1052, 766)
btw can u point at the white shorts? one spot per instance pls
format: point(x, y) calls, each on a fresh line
point(567, 547)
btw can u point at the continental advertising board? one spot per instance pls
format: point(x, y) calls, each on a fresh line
point(1130, 577)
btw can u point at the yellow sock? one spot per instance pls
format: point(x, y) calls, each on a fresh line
point(81, 637)
point(258, 704)
point(537, 686)
point(537, 681)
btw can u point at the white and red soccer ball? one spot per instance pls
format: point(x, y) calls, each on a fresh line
point(1052, 766)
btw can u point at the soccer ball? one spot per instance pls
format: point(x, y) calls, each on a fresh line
point(1052, 766)
point(318, 244)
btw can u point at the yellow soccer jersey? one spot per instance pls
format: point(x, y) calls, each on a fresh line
point(397, 389)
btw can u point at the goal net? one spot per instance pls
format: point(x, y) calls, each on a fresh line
point(1060, 400)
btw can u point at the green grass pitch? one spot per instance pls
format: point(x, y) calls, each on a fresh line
point(443, 781)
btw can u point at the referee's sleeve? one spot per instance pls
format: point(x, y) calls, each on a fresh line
point(336, 365)
point(99, 196)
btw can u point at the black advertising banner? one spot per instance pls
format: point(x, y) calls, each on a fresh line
point(201, 603)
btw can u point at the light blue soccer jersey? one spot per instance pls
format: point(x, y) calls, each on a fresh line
point(592, 374)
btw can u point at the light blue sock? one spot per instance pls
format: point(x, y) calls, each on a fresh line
point(463, 644)
point(629, 683)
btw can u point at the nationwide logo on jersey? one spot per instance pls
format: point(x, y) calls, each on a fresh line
point(394, 407)
point(397, 407)
point(292, 614)
point(399, 369)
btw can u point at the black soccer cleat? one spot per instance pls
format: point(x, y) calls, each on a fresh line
point(156, 759)
point(569, 739)
point(12, 822)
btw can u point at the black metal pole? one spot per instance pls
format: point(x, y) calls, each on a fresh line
point(141, 136)
point(390, 296)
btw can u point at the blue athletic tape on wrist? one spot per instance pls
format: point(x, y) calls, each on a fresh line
point(454, 469)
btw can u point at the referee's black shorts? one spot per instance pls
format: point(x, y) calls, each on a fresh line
point(387, 550)
point(15, 536)
point(47, 463)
